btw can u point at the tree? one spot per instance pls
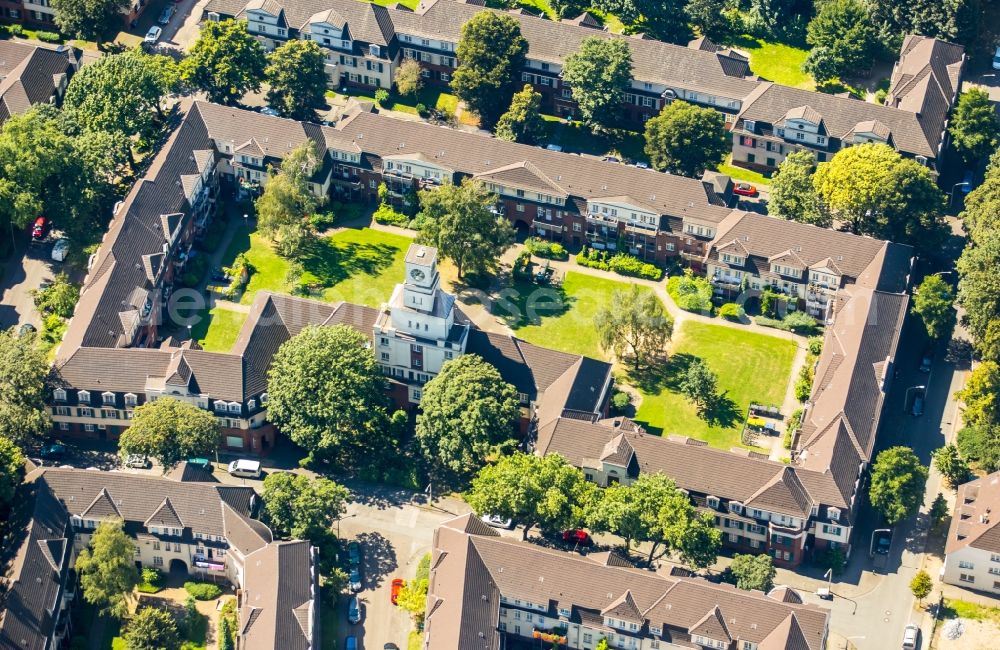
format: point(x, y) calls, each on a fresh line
point(952, 467)
point(700, 385)
point(979, 396)
point(845, 28)
point(152, 628)
point(523, 120)
point(752, 572)
point(982, 205)
point(327, 393)
point(978, 284)
point(461, 222)
point(468, 414)
point(491, 51)
point(634, 322)
point(822, 64)
point(170, 430)
point(921, 585)
point(980, 444)
point(225, 61)
point(974, 128)
point(877, 192)
point(58, 298)
point(792, 193)
point(413, 596)
point(118, 93)
point(599, 73)
point(296, 76)
point(939, 510)
point(686, 139)
point(709, 17)
point(897, 484)
point(11, 468)
point(286, 202)
point(784, 20)
point(91, 20)
point(409, 78)
point(301, 507)
point(658, 18)
point(932, 301)
point(23, 373)
point(107, 569)
point(544, 491)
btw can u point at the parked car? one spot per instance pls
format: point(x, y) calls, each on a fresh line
point(55, 450)
point(245, 468)
point(553, 147)
point(353, 611)
point(577, 537)
point(745, 189)
point(138, 461)
point(996, 59)
point(614, 159)
point(918, 405)
point(927, 360)
point(390, 646)
point(166, 15)
point(497, 521)
point(25, 329)
point(397, 586)
point(911, 637)
point(355, 579)
point(880, 545)
point(354, 553)
point(351, 643)
point(60, 250)
point(39, 228)
point(152, 36)
point(267, 110)
point(967, 181)
point(642, 165)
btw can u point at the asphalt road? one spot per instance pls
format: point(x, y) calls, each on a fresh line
point(24, 271)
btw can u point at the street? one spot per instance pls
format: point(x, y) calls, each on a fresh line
point(28, 265)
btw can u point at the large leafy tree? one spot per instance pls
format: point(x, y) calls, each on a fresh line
point(152, 628)
point(974, 127)
point(546, 492)
point(982, 205)
point(409, 78)
point(23, 373)
point(876, 192)
point(686, 139)
point(170, 430)
point(653, 509)
point(932, 301)
point(599, 73)
point(58, 298)
point(951, 465)
point(225, 62)
point(980, 444)
point(326, 393)
point(92, 20)
point(287, 200)
point(792, 194)
point(944, 19)
point(897, 485)
point(710, 17)
point(491, 52)
point(980, 405)
point(107, 569)
point(634, 322)
point(783, 18)
point(11, 468)
point(979, 284)
point(660, 19)
point(752, 572)
point(301, 507)
point(468, 414)
point(296, 78)
point(119, 93)
point(845, 29)
point(461, 221)
point(700, 385)
point(523, 120)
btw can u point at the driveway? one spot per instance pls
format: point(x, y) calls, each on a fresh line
point(988, 81)
point(182, 30)
point(23, 272)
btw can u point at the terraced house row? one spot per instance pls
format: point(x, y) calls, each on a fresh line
point(365, 43)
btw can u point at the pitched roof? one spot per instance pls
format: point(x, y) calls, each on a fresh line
point(31, 75)
point(165, 516)
point(280, 598)
point(713, 626)
point(976, 520)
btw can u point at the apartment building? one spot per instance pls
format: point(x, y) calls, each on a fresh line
point(31, 75)
point(41, 14)
point(490, 592)
point(972, 550)
point(195, 527)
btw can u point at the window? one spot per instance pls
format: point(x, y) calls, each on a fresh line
point(831, 530)
point(157, 560)
point(83, 396)
point(385, 356)
point(713, 502)
point(994, 558)
point(965, 564)
point(234, 407)
point(156, 545)
point(965, 577)
point(263, 398)
point(735, 507)
point(108, 398)
point(59, 395)
point(130, 399)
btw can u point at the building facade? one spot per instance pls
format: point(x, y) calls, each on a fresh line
point(972, 550)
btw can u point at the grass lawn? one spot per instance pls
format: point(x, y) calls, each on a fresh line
point(750, 367)
point(577, 138)
point(742, 174)
point(558, 317)
point(777, 62)
point(430, 97)
point(218, 331)
point(409, 4)
point(963, 609)
point(414, 641)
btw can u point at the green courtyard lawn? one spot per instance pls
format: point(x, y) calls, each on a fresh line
point(742, 174)
point(777, 62)
point(750, 367)
point(558, 317)
point(575, 137)
point(217, 331)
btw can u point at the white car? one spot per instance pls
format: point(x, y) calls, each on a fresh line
point(137, 461)
point(267, 110)
point(152, 35)
point(245, 468)
point(60, 250)
point(996, 59)
point(497, 521)
point(911, 637)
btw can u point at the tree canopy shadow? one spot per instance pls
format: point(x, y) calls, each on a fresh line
point(379, 558)
point(721, 411)
point(662, 376)
point(332, 262)
point(525, 303)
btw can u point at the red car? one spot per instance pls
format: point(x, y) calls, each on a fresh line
point(745, 189)
point(397, 585)
point(577, 537)
point(39, 228)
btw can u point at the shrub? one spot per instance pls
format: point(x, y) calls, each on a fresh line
point(620, 400)
point(152, 581)
point(791, 427)
point(15, 30)
point(388, 215)
point(48, 37)
point(203, 590)
point(625, 264)
point(801, 323)
point(546, 249)
point(422, 110)
point(732, 311)
point(815, 344)
point(880, 95)
point(323, 220)
point(382, 97)
point(690, 292)
point(832, 558)
point(593, 258)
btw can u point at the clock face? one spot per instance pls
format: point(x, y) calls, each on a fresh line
point(417, 275)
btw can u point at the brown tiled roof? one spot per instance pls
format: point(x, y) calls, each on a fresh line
point(471, 573)
point(976, 520)
point(280, 598)
point(925, 81)
point(785, 595)
point(30, 75)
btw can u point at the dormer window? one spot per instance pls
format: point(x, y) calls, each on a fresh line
point(220, 407)
point(108, 398)
point(263, 398)
point(234, 407)
point(735, 507)
point(59, 395)
point(713, 502)
point(130, 399)
point(375, 50)
point(83, 396)
point(750, 125)
point(252, 404)
point(833, 514)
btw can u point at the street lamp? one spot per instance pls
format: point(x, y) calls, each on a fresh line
point(951, 200)
point(338, 523)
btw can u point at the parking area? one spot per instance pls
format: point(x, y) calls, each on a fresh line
point(24, 271)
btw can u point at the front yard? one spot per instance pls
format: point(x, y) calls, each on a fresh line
point(777, 62)
point(749, 366)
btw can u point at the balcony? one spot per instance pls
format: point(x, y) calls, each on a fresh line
point(603, 219)
point(727, 281)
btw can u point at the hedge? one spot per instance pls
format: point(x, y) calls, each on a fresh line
point(690, 292)
point(621, 263)
point(203, 590)
point(546, 249)
point(797, 322)
point(387, 215)
point(731, 311)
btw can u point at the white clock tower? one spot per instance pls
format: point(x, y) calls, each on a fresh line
point(415, 332)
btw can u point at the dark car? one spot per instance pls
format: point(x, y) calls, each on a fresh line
point(52, 451)
point(927, 360)
point(354, 553)
point(355, 579)
point(353, 611)
point(577, 537)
